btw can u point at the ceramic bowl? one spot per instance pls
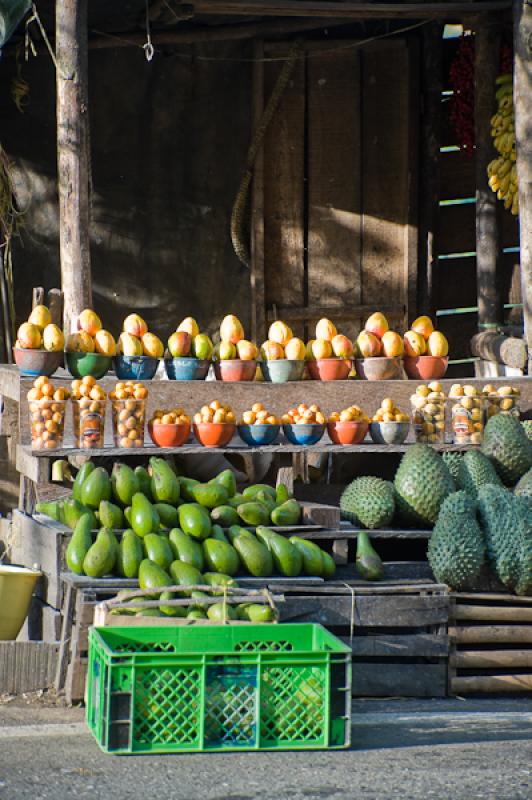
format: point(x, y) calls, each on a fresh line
point(33, 363)
point(81, 364)
point(214, 434)
point(186, 369)
point(329, 369)
point(352, 432)
point(169, 434)
point(304, 434)
point(380, 368)
point(426, 368)
point(235, 370)
point(135, 368)
point(389, 432)
point(282, 370)
point(258, 435)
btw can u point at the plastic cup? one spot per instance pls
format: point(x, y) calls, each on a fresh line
point(466, 415)
point(47, 422)
point(502, 404)
point(88, 418)
point(128, 422)
point(428, 419)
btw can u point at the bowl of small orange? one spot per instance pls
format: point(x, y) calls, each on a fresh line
point(389, 424)
point(258, 426)
point(304, 425)
point(169, 428)
point(348, 426)
point(215, 424)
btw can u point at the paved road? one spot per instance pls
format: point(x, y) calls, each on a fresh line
point(407, 750)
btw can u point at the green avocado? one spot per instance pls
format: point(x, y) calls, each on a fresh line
point(289, 513)
point(130, 554)
point(157, 549)
point(210, 495)
point(221, 612)
point(225, 516)
point(195, 520)
point(227, 480)
point(73, 510)
point(144, 482)
point(186, 549)
point(282, 494)
point(83, 473)
point(101, 556)
point(164, 483)
point(250, 492)
point(144, 517)
point(218, 579)
point(253, 514)
point(95, 488)
point(185, 574)
point(256, 612)
point(255, 556)
point(80, 544)
point(312, 556)
point(124, 484)
point(167, 514)
point(187, 485)
point(286, 557)
point(220, 557)
point(111, 516)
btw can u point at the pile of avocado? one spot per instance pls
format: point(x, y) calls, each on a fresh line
point(174, 530)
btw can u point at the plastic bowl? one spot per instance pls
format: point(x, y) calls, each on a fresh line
point(258, 435)
point(186, 369)
point(304, 434)
point(169, 435)
point(380, 368)
point(33, 363)
point(282, 370)
point(389, 432)
point(235, 370)
point(16, 589)
point(81, 364)
point(349, 432)
point(426, 368)
point(330, 369)
point(214, 434)
point(135, 368)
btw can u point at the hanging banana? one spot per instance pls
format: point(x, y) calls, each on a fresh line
point(502, 172)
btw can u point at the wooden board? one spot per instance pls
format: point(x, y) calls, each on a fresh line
point(26, 666)
point(35, 543)
point(400, 680)
point(370, 611)
point(334, 183)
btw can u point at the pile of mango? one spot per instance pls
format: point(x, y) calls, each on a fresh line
point(137, 522)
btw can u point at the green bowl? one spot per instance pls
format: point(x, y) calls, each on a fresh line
point(81, 364)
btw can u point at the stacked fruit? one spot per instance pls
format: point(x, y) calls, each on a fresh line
point(389, 412)
point(91, 336)
point(328, 343)
point(188, 342)
point(216, 412)
point(136, 340)
point(351, 414)
point(47, 414)
point(502, 171)
point(502, 400)
point(88, 412)
point(128, 403)
point(232, 344)
point(258, 415)
point(40, 333)
point(304, 415)
point(175, 416)
point(377, 339)
point(467, 417)
point(281, 343)
point(428, 413)
point(422, 339)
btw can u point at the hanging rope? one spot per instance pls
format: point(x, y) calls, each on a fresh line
point(148, 47)
point(239, 227)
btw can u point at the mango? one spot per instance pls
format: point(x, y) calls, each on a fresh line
point(271, 351)
point(225, 516)
point(79, 545)
point(246, 351)
point(195, 520)
point(144, 518)
point(202, 347)
point(280, 332)
point(135, 325)
point(40, 317)
point(210, 495)
point(368, 345)
point(167, 514)
point(309, 352)
point(80, 342)
point(190, 326)
point(220, 556)
point(53, 339)
point(187, 485)
point(157, 549)
point(29, 336)
point(312, 556)
point(130, 554)
point(227, 479)
point(152, 346)
point(287, 514)
point(225, 351)
point(321, 348)
point(437, 344)
point(186, 549)
point(89, 322)
point(415, 344)
point(231, 329)
point(377, 324)
point(342, 347)
point(255, 556)
point(124, 484)
point(104, 343)
point(95, 488)
point(423, 326)
point(295, 349)
point(392, 345)
point(129, 345)
point(253, 513)
point(180, 344)
point(164, 484)
point(111, 516)
point(221, 612)
point(101, 556)
point(326, 330)
point(185, 575)
point(82, 474)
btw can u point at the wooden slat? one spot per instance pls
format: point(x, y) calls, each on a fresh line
point(456, 229)
point(26, 666)
point(509, 613)
point(426, 645)
point(491, 684)
point(492, 634)
point(347, 10)
point(369, 611)
point(400, 680)
point(334, 183)
point(385, 174)
point(284, 152)
point(492, 659)
point(35, 543)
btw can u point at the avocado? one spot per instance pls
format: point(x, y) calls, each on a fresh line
point(124, 484)
point(282, 494)
point(286, 557)
point(171, 611)
point(253, 514)
point(254, 555)
point(312, 556)
point(80, 544)
point(101, 556)
point(237, 530)
point(369, 565)
point(95, 488)
point(227, 480)
point(195, 520)
point(186, 486)
point(196, 613)
point(329, 567)
point(73, 510)
point(237, 500)
point(152, 576)
point(251, 491)
point(144, 481)
point(164, 483)
point(287, 514)
point(83, 473)
point(217, 532)
point(210, 495)
point(220, 557)
point(111, 516)
point(186, 549)
point(157, 549)
point(130, 554)
point(185, 574)
point(256, 612)
point(221, 612)
point(144, 517)
point(218, 580)
point(225, 516)
point(53, 509)
point(167, 514)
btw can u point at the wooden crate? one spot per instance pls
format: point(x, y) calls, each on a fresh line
point(27, 666)
point(491, 644)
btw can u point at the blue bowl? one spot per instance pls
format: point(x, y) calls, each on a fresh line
point(186, 369)
point(135, 368)
point(282, 370)
point(304, 434)
point(258, 435)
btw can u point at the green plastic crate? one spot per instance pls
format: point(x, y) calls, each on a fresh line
point(241, 687)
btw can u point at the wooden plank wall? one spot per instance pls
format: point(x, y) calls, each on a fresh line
point(339, 182)
point(455, 286)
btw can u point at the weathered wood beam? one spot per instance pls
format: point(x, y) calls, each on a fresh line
point(347, 10)
point(523, 138)
point(488, 247)
point(73, 156)
point(501, 349)
point(297, 314)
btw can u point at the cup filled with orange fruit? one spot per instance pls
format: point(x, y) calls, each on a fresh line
point(349, 426)
point(258, 426)
point(214, 424)
point(47, 406)
point(304, 424)
point(88, 412)
point(128, 405)
point(169, 428)
point(389, 424)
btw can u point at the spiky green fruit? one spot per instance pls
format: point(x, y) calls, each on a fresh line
point(369, 502)
point(508, 448)
point(422, 482)
point(453, 461)
point(476, 470)
point(524, 485)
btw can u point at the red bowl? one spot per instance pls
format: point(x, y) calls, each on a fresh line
point(169, 435)
point(235, 370)
point(329, 369)
point(214, 434)
point(425, 368)
point(347, 432)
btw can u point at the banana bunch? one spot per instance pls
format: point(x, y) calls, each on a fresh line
point(502, 171)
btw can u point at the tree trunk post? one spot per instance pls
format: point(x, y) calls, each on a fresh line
point(523, 139)
point(73, 156)
point(488, 246)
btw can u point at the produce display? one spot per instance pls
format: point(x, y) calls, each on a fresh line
point(136, 340)
point(281, 343)
point(91, 337)
point(389, 412)
point(467, 414)
point(47, 414)
point(39, 333)
point(188, 342)
point(378, 340)
point(423, 340)
point(258, 415)
point(428, 413)
point(232, 344)
point(88, 412)
point(128, 406)
point(369, 502)
point(304, 414)
point(216, 412)
point(502, 171)
point(501, 400)
point(351, 414)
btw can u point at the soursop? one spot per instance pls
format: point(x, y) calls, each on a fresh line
point(453, 461)
point(369, 502)
point(508, 448)
point(523, 510)
point(476, 470)
point(422, 482)
point(527, 425)
point(499, 520)
point(457, 551)
point(524, 485)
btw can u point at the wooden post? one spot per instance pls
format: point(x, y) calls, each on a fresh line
point(73, 156)
point(258, 301)
point(487, 41)
point(523, 138)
